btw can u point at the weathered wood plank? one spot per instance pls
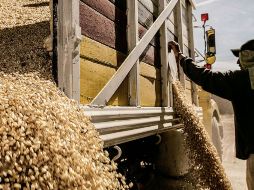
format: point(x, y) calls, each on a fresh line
point(101, 29)
point(76, 53)
point(107, 9)
point(68, 48)
point(141, 32)
point(149, 71)
point(91, 85)
point(171, 36)
point(184, 12)
point(171, 18)
point(93, 77)
point(171, 29)
point(147, 13)
point(151, 56)
point(186, 50)
point(60, 46)
point(186, 41)
point(150, 6)
point(89, 49)
point(153, 87)
point(155, 41)
point(185, 29)
point(185, 22)
point(150, 81)
point(185, 32)
point(146, 19)
point(99, 53)
point(110, 57)
point(164, 60)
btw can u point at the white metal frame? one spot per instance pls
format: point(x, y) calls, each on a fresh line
point(122, 124)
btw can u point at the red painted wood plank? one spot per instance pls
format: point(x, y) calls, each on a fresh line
point(101, 29)
point(151, 56)
point(108, 9)
point(154, 42)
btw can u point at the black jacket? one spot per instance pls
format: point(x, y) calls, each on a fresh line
point(235, 87)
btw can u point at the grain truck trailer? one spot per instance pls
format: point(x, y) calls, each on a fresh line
point(112, 57)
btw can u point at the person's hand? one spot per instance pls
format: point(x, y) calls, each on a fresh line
point(172, 45)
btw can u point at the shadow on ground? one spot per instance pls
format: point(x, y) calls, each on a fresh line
point(21, 49)
point(43, 4)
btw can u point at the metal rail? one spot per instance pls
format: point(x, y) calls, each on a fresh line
point(122, 124)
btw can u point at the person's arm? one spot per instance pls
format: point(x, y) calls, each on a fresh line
point(214, 82)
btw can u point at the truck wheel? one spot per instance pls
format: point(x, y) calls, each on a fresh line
point(216, 137)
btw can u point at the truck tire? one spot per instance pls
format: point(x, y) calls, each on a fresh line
point(216, 137)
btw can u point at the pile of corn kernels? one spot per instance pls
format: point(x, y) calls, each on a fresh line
point(46, 141)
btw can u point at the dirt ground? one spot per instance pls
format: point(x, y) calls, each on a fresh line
point(235, 168)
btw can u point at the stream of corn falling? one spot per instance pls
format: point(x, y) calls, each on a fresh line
point(46, 142)
point(209, 173)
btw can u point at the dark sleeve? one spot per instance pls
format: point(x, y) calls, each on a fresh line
point(216, 83)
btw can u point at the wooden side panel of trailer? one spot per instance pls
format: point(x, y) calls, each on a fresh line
point(104, 47)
